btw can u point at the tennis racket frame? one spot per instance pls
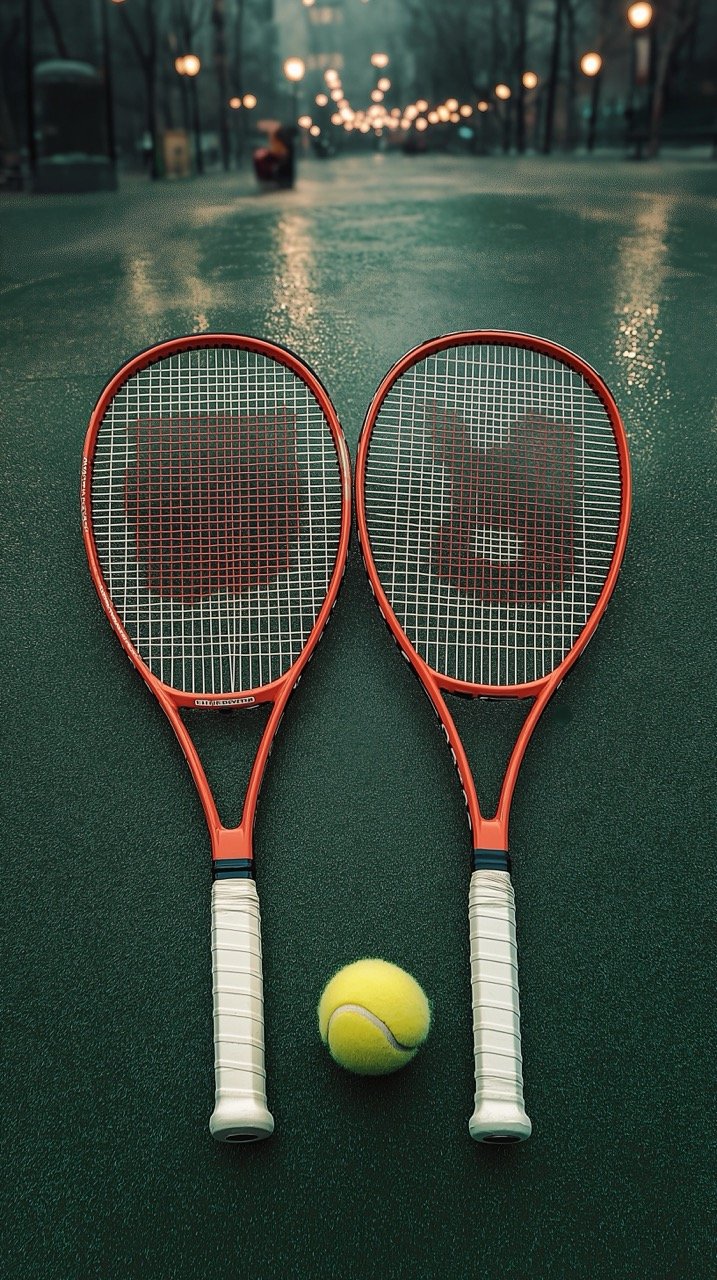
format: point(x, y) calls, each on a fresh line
point(491, 903)
point(241, 1112)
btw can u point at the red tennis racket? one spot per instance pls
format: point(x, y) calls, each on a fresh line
point(493, 501)
point(216, 499)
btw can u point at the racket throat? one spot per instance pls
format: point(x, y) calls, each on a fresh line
point(231, 853)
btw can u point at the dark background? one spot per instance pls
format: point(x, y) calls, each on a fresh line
point(361, 838)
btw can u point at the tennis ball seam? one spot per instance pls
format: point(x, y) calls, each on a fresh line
point(380, 1026)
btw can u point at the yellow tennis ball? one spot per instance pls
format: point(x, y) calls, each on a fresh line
point(373, 1017)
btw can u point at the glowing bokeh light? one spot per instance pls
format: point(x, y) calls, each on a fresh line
point(640, 15)
point(591, 64)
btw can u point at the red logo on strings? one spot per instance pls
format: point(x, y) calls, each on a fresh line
point(509, 536)
point(214, 502)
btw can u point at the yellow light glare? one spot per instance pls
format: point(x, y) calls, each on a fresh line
point(502, 91)
point(452, 104)
point(384, 84)
point(376, 95)
point(294, 70)
point(639, 15)
point(421, 124)
point(379, 60)
point(454, 117)
point(591, 64)
point(314, 131)
point(483, 106)
point(432, 117)
point(192, 65)
point(249, 100)
point(321, 100)
point(305, 122)
point(530, 80)
point(235, 103)
point(337, 94)
point(421, 105)
point(444, 114)
point(466, 111)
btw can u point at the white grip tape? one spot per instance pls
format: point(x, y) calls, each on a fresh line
point(499, 1114)
point(240, 1111)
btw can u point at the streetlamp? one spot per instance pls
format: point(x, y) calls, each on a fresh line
point(294, 71)
point(189, 65)
point(533, 103)
point(504, 93)
point(591, 66)
point(639, 16)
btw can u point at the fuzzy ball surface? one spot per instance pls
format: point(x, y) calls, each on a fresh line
point(373, 1017)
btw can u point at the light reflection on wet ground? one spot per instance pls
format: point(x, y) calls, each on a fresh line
point(369, 256)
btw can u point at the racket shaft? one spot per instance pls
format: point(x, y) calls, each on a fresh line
point(240, 1111)
point(499, 1109)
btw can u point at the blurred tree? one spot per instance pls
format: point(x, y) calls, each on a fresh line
point(146, 51)
point(677, 21)
point(189, 17)
point(520, 40)
point(56, 29)
point(220, 63)
point(551, 89)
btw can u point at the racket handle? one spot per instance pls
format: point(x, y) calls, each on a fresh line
point(240, 1110)
point(499, 1114)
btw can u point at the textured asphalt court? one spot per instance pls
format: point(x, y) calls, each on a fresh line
point(361, 837)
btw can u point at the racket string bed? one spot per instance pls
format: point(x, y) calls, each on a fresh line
point(492, 499)
point(217, 510)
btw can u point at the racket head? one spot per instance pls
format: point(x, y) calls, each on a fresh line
point(493, 502)
point(215, 494)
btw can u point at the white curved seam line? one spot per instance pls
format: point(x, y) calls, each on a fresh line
point(380, 1026)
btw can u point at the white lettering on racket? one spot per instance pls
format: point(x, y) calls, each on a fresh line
point(223, 702)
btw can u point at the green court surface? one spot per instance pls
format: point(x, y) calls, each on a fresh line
point(361, 839)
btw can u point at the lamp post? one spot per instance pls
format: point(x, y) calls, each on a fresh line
point(188, 64)
point(29, 24)
point(504, 94)
point(107, 79)
point(639, 16)
point(531, 81)
point(294, 71)
point(591, 66)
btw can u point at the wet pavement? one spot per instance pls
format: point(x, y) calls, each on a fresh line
point(361, 837)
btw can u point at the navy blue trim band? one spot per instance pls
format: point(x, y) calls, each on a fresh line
point(492, 859)
point(233, 869)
